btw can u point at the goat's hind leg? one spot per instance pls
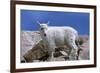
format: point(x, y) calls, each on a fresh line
point(73, 49)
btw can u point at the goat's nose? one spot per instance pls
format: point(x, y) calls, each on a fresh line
point(44, 34)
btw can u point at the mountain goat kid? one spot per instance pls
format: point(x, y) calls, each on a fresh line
point(56, 37)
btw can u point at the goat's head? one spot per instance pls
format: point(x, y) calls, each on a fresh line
point(43, 27)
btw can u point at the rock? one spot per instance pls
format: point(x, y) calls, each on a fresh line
point(34, 50)
point(38, 52)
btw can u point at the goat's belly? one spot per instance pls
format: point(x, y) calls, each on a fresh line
point(59, 41)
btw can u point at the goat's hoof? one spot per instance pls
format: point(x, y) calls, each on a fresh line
point(66, 58)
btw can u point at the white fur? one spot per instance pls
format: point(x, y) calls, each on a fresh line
point(58, 37)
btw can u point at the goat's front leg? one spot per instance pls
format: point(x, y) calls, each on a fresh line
point(51, 55)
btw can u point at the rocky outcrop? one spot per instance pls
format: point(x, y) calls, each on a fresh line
point(33, 49)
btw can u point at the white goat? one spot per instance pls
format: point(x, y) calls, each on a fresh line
point(56, 37)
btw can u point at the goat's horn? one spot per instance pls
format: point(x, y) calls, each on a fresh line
point(38, 22)
point(48, 22)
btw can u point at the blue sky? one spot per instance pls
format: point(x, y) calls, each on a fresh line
point(79, 21)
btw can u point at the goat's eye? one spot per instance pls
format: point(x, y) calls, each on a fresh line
point(41, 28)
